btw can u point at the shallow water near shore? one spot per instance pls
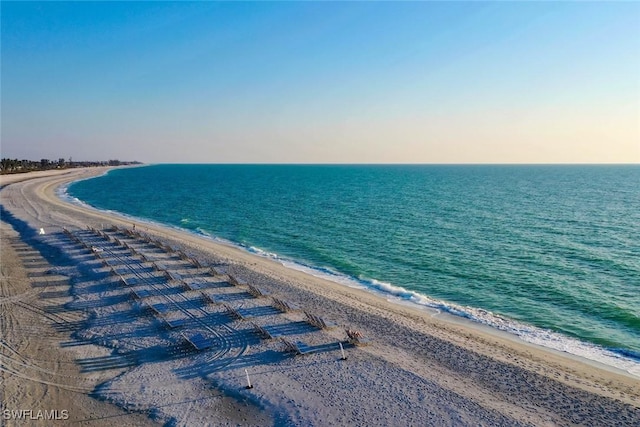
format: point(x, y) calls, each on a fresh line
point(548, 253)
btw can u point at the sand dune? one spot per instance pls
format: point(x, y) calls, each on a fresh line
point(160, 326)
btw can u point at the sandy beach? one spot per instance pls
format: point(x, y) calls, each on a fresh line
point(105, 320)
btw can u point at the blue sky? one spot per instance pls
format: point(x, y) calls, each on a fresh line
point(388, 82)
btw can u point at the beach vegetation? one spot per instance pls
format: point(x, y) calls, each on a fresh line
point(8, 165)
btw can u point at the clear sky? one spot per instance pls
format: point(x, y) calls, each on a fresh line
point(358, 82)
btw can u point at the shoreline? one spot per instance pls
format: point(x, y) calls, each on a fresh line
point(472, 317)
point(447, 354)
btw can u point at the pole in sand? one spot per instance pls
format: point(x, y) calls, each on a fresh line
point(342, 350)
point(248, 380)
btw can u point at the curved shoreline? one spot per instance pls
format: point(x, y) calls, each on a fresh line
point(584, 351)
point(472, 362)
point(447, 317)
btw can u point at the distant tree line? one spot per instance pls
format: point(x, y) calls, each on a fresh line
point(17, 166)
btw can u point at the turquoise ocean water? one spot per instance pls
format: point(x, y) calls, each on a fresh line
point(549, 253)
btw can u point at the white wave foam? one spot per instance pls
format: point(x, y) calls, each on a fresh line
point(261, 252)
point(527, 333)
point(63, 194)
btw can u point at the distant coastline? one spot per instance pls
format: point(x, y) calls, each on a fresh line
point(11, 166)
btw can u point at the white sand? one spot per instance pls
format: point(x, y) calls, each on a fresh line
point(75, 339)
